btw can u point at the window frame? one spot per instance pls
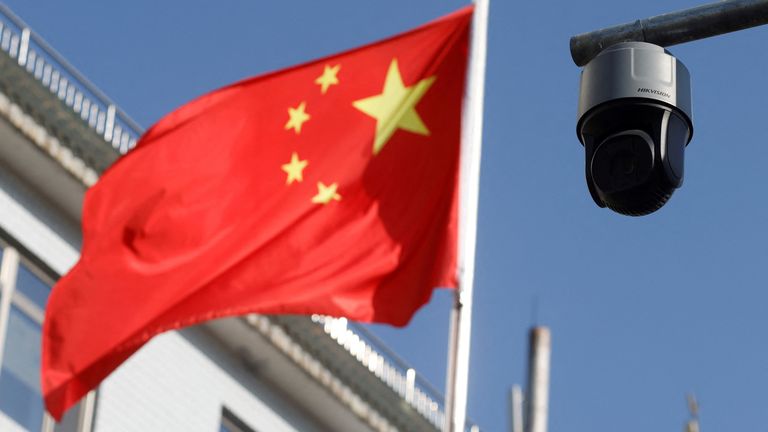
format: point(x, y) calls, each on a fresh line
point(9, 266)
point(12, 258)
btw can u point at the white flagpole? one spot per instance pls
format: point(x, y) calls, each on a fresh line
point(469, 185)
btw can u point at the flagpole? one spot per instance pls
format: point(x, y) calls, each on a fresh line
point(469, 185)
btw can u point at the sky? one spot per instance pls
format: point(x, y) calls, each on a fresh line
point(642, 310)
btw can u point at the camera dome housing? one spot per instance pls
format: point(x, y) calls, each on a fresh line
point(634, 120)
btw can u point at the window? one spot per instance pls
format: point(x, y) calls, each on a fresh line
point(24, 294)
point(19, 377)
point(230, 423)
point(32, 287)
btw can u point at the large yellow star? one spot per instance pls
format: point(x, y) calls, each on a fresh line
point(328, 78)
point(326, 194)
point(294, 169)
point(395, 107)
point(296, 117)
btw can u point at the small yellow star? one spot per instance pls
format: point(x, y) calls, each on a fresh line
point(326, 194)
point(296, 117)
point(328, 78)
point(395, 107)
point(294, 169)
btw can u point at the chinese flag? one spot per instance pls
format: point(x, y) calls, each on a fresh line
point(326, 188)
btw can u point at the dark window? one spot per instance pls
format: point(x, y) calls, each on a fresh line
point(230, 423)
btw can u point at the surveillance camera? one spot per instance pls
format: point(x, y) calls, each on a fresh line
point(634, 121)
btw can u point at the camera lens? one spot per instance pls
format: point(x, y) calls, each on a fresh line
point(623, 161)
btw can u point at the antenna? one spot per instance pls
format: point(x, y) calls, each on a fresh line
point(537, 400)
point(529, 412)
point(693, 409)
point(516, 409)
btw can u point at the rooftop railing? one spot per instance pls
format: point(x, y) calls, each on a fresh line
point(64, 81)
point(372, 353)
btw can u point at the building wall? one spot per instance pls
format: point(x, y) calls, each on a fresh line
point(182, 381)
point(28, 218)
point(46, 241)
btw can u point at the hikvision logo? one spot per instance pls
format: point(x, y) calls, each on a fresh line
point(652, 91)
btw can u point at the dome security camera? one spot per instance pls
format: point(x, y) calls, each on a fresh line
point(634, 120)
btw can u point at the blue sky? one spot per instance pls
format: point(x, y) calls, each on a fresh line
point(642, 310)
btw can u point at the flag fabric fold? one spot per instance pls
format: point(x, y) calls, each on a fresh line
point(326, 188)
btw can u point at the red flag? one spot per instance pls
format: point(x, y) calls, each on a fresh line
point(327, 188)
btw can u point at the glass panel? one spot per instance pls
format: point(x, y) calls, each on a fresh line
point(20, 395)
point(32, 286)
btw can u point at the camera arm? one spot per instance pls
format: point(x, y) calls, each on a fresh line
point(674, 28)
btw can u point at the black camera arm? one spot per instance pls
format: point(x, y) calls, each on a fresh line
point(674, 28)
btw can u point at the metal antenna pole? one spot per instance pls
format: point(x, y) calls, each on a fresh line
point(538, 380)
point(674, 28)
point(516, 409)
point(693, 408)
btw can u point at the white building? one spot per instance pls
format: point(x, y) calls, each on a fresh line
point(257, 373)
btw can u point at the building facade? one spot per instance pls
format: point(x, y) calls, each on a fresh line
point(253, 373)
